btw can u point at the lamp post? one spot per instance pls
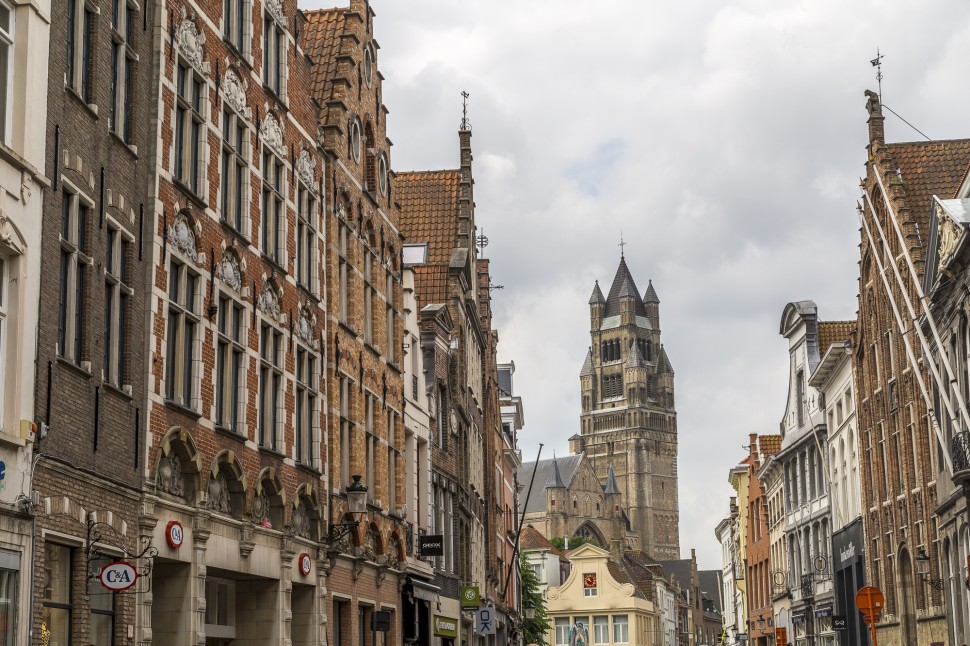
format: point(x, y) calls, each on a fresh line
point(923, 569)
point(356, 507)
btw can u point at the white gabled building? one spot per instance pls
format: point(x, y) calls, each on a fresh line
point(735, 617)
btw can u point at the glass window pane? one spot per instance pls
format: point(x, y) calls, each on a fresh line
point(102, 628)
point(57, 579)
point(8, 607)
point(57, 623)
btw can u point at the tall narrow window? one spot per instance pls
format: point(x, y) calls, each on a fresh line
point(270, 384)
point(102, 610)
point(272, 207)
point(74, 267)
point(234, 24)
point(371, 445)
point(343, 249)
point(392, 460)
point(4, 315)
point(189, 129)
point(345, 432)
point(58, 580)
point(389, 317)
point(800, 397)
point(9, 596)
point(6, 67)
point(117, 299)
point(230, 355)
point(368, 297)
point(234, 167)
point(122, 59)
point(306, 405)
point(183, 328)
point(306, 238)
point(80, 29)
point(274, 56)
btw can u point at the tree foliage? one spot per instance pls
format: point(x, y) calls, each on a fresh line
point(559, 542)
point(535, 629)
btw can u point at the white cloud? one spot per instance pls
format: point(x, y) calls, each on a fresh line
point(725, 138)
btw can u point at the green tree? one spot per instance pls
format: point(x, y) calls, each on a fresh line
point(559, 542)
point(535, 629)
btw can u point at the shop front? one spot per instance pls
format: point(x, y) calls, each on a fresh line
point(850, 575)
point(445, 630)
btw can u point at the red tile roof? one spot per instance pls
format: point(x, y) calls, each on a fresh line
point(769, 444)
point(930, 168)
point(832, 332)
point(531, 539)
point(429, 214)
point(322, 44)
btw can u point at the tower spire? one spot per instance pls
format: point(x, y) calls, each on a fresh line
point(621, 245)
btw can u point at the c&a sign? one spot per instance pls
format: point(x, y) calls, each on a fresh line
point(118, 576)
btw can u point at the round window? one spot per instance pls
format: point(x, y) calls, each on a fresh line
point(368, 65)
point(355, 140)
point(382, 174)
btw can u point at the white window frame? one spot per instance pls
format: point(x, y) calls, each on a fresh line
point(73, 250)
point(601, 629)
point(234, 176)
point(621, 627)
point(271, 366)
point(562, 631)
point(382, 174)
point(370, 441)
point(275, 55)
point(306, 406)
point(343, 272)
point(228, 397)
point(118, 271)
point(272, 222)
point(354, 139)
point(7, 51)
point(123, 58)
point(189, 127)
point(182, 367)
point(368, 70)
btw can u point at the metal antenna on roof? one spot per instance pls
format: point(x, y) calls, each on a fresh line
point(877, 63)
point(465, 125)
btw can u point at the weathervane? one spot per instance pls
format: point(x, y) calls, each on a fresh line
point(877, 63)
point(464, 111)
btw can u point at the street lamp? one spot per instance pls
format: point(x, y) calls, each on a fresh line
point(923, 569)
point(356, 507)
point(530, 613)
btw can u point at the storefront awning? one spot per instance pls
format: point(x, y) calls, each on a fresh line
point(424, 590)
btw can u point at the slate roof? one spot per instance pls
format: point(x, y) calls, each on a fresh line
point(610, 486)
point(831, 332)
point(587, 365)
point(597, 296)
point(531, 539)
point(636, 359)
point(710, 581)
point(680, 570)
point(663, 362)
point(567, 467)
point(322, 43)
point(651, 294)
point(619, 283)
point(429, 214)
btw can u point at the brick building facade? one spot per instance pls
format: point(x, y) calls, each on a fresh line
point(898, 459)
point(760, 613)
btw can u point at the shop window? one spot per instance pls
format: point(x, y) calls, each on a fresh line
point(220, 608)
point(601, 630)
point(562, 631)
point(58, 609)
point(621, 629)
point(102, 610)
point(9, 580)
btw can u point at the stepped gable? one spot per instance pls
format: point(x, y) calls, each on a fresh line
point(429, 214)
point(623, 276)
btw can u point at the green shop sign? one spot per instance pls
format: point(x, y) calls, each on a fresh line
point(470, 596)
point(445, 626)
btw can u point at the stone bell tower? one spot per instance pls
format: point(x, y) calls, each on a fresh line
point(628, 417)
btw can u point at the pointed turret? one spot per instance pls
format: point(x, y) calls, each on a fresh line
point(663, 363)
point(652, 304)
point(587, 370)
point(597, 307)
point(635, 360)
point(555, 480)
point(597, 298)
point(620, 280)
point(650, 296)
point(611, 487)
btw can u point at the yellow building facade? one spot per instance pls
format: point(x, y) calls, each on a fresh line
point(601, 600)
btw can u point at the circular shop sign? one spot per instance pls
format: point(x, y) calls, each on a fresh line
point(305, 564)
point(174, 534)
point(118, 576)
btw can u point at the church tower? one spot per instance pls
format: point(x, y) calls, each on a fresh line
point(628, 425)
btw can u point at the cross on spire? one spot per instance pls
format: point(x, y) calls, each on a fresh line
point(622, 244)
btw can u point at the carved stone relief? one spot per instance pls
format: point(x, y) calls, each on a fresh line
point(182, 237)
point(949, 236)
point(269, 302)
point(217, 498)
point(301, 521)
point(169, 478)
point(271, 134)
point(234, 90)
point(229, 272)
point(305, 168)
point(190, 41)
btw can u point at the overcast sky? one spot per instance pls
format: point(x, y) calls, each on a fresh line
point(725, 139)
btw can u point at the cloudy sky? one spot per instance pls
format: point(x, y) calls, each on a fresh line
point(725, 138)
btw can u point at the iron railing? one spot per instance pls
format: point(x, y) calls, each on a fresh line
point(960, 452)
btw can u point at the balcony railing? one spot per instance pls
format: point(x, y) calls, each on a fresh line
point(960, 452)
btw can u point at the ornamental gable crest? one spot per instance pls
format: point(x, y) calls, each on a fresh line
point(275, 9)
point(230, 272)
point(949, 237)
point(269, 302)
point(234, 91)
point(182, 237)
point(271, 132)
point(191, 42)
point(306, 168)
